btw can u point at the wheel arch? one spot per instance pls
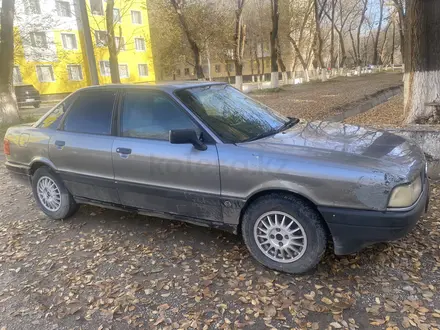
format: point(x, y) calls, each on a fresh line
point(40, 162)
point(278, 191)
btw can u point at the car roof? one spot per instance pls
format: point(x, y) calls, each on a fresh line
point(165, 86)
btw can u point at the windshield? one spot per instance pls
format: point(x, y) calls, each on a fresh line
point(233, 116)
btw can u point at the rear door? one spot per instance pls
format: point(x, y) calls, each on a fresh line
point(82, 146)
point(153, 174)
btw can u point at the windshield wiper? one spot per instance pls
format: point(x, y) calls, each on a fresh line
point(288, 124)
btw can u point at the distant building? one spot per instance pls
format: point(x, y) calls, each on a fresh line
point(50, 50)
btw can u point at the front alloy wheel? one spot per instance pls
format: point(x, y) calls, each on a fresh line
point(284, 232)
point(280, 237)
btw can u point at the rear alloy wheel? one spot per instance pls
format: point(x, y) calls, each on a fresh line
point(51, 195)
point(284, 233)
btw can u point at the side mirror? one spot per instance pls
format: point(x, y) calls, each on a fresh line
point(186, 136)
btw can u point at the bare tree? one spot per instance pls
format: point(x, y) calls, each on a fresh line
point(376, 39)
point(356, 44)
point(400, 7)
point(273, 44)
point(318, 41)
point(422, 61)
point(178, 6)
point(111, 43)
point(8, 103)
point(239, 42)
point(297, 33)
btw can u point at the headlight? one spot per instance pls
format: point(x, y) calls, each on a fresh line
point(406, 195)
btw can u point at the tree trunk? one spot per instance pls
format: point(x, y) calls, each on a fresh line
point(8, 103)
point(262, 61)
point(113, 52)
point(358, 35)
point(422, 61)
point(393, 45)
point(273, 44)
point(400, 11)
point(178, 7)
point(318, 41)
point(301, 59)
point(343, 51)
point(239, 42)
point(376, 40)
point(332, 36)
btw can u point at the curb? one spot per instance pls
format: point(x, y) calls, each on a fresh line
point(365, 104)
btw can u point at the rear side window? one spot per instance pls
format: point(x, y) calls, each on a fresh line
point(54, 118)
point(91, 113)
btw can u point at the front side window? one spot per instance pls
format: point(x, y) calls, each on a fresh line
point(69, 41)
point(63, 9)
point(151, 115)
point(74, 71)
point(45, 73)
point(231, 114)
point(91, 113)
point(38, 39)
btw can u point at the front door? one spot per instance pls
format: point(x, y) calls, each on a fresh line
point(155, 175)
point(82, 146)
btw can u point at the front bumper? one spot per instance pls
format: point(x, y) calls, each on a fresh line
point(353, 230)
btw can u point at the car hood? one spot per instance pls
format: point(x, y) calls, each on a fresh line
point(350, 145)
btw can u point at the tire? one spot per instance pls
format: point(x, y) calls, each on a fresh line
point(66, 206)
point(300, 220)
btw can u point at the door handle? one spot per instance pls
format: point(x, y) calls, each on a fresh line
point(124, 151)
point(60, 144)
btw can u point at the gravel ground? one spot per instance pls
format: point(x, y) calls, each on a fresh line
point(104, 269)
point(384, 115)
point(317, 100)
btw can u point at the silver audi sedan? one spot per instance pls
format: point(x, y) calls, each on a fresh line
point(207, 154)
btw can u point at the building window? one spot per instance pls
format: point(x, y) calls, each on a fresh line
point(63, 9)
point(69, 41)
point(120, 43)
point(123, 71)
point(140, 44)
point(143, 70)
point(218, 68)
point(38, 39)
point(116, 15)
point(74, 71)
point(45, 73)
point(104, 67)
point(101, 38)
point(136, 17)
point(96, 7)
point(186, 71)
point(32, 7)
point(16, 75)
point(178, 72)
point(231, 67)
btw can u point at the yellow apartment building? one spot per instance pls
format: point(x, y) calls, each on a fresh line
point(50, 50)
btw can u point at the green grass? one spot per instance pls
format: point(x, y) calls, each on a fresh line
point(23, 120)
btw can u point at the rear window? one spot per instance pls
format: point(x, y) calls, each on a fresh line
point(91, 113)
